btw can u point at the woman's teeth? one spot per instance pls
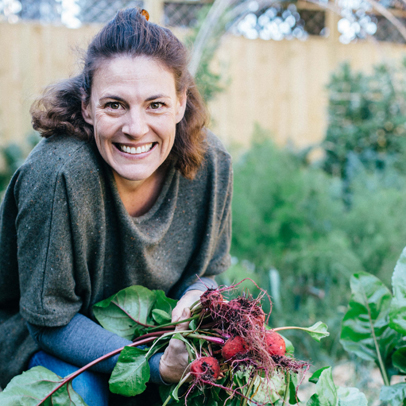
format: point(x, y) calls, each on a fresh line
point(135, 151)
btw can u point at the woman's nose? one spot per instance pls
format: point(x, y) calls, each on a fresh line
point(135, 124)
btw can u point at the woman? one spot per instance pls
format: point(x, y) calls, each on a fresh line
point(127, 188)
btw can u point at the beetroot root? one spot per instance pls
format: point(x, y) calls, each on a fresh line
point(233, 347)
point(275, 343)
point(205, 368)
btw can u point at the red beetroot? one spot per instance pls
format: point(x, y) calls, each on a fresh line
point(205, 368)
point(275, 343)
point(233, 347)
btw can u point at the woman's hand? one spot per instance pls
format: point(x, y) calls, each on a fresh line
point(175, 359)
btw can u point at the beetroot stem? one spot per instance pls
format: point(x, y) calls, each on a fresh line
point(96, 361)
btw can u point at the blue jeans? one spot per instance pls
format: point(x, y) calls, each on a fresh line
point(91, 386)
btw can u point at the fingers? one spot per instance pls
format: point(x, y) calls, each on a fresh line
point(185, 315)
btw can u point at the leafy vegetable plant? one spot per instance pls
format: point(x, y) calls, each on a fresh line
point(374, 327)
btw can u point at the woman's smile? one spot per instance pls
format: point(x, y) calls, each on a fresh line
point(135, 150)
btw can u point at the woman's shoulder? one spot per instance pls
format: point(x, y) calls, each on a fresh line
point(55, 157)
point(217, 157)
point(215, 173)
point(215, 146)
point(60, 150)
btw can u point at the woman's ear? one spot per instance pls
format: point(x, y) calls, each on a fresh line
point(86, 113)
point(182, 101)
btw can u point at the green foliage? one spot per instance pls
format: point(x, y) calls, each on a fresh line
point(291, 217)
point(137, 303)
point(367, 120)
point(366, 330)
point(13, 156)
point(284, 217)
point(131, 372)
point(328, 394)
point(34, 385)
point(371, 325)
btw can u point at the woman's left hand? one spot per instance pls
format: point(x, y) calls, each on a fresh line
point(175, 359)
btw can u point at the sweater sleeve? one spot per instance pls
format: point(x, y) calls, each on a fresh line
point(46, 262)
point(220, 260)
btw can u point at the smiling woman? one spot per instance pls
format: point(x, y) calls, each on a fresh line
point(126, 188)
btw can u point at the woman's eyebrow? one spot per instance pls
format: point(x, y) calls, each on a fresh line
point(157, 96)
point(112, 96)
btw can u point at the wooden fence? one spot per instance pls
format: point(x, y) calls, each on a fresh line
point(280, 85)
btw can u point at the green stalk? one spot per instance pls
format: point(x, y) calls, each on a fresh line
point(181, 382)
point(287, 392)
point(378, 352)
point(289, 328)
point(248, 392)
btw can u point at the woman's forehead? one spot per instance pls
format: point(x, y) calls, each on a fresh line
point(133, 72)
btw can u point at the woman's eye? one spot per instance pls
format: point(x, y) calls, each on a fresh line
point(113, 105)
point(156, 105)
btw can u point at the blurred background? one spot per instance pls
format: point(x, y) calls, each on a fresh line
point(309, 98)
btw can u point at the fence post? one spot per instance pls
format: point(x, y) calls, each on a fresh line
point(332, 19)
point(155, 9)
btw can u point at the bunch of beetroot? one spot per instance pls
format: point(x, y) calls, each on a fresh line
point(249, 344)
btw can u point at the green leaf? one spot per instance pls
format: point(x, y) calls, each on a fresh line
point(316, 375)
point(32, 386)
point(290, 349)
point(160, 316)
point(164, 303)
point(394, 395)
point(397, 315)
point(131, 372)
point(67, 396)
point(326, 392)
point(399, 359)
point(316, 331)
point(293, 383)
point(351, 397)
point(365, 329)
point(136, 301)
point(269, 390)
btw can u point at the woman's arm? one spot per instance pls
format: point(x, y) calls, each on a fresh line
point(82, 341)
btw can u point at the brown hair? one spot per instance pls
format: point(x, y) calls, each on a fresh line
point(128, 33)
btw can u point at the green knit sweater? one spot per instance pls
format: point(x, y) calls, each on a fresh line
point(67, 242)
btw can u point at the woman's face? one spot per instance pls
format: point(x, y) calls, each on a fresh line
point(134, 109)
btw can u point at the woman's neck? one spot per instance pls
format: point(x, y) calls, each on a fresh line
point(139, 197)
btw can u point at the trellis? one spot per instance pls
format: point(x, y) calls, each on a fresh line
point(310, 18)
